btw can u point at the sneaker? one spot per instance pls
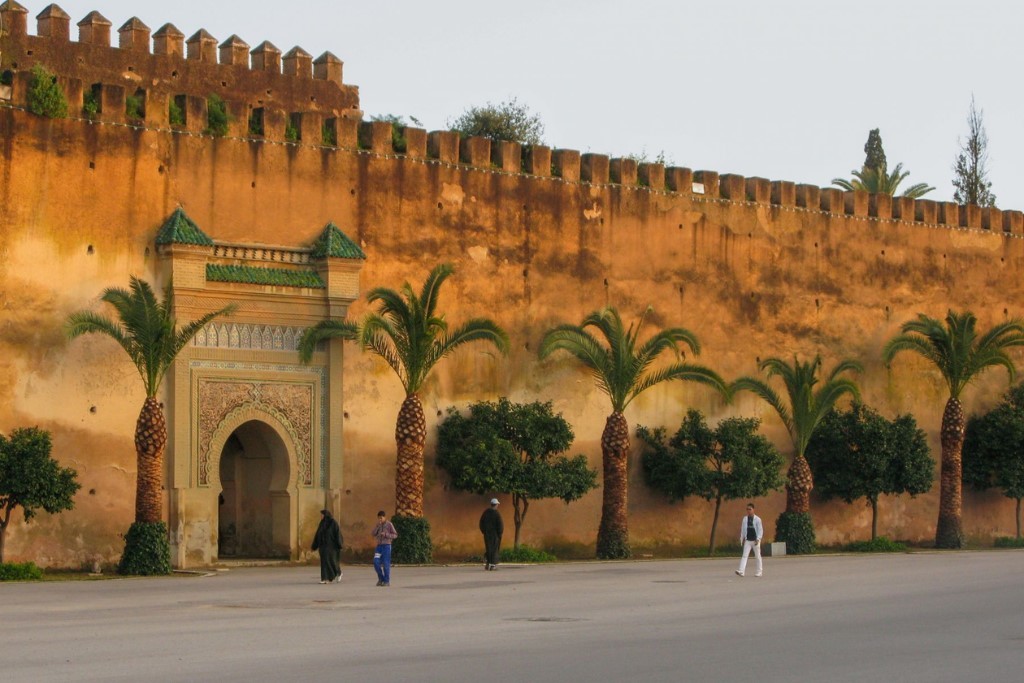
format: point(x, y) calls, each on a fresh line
point(385, 584)
point(380, 583)
point(757, 575)
point(739, 573)
point(338, 579)
point(322, 581)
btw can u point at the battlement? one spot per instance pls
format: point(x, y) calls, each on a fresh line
point(169, 77)
point(294, 99)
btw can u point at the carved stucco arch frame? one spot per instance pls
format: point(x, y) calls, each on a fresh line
point(248, 412)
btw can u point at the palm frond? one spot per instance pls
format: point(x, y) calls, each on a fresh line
point(322, 331)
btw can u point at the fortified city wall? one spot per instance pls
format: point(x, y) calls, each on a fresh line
point(538, 236)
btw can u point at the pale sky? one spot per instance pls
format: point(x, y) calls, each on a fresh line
point(785, 89)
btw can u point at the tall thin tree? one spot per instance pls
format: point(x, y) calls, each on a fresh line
point(960, 353)
point(970, 179)
point(620, 369)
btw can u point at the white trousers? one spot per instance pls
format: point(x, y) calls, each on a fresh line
point(747, 546)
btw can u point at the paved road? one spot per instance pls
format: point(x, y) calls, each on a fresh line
point(921, 617)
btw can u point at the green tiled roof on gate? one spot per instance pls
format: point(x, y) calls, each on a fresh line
point(333, 243)
point(180, 229)
point(252, 275)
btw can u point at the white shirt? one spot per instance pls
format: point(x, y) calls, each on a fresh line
point(758, 528)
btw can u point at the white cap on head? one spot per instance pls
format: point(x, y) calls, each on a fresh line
point(494, 501)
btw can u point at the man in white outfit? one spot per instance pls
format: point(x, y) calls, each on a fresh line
point(751, 532)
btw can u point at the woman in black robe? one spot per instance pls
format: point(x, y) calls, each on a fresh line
point(328, 541)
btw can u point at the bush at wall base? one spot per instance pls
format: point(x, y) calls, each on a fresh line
point(796, 530)
point(25, 571)
point(413, 545)
point(147, 551)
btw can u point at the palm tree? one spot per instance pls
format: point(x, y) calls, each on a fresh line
point(879, 181)
point(961, 355)
point(620, 369)
point(807, 403)
point(411, 337)
point(147, 331)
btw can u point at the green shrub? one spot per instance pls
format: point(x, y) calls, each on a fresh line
point(328, 137)
point(525, 553)
point(291, 133)
point(413, 545)
point(146, 550)
point(613, 546)
point(90, 103)
point(796, 530)
point(7, 77)
point(217, 117)
point(175, 114)
point(1009, 542)
point(45, 98)
point(27, 571)
point(877, 545)
point(133, 108)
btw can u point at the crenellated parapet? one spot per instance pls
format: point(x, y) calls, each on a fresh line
point(164, 80)
point(169, 78)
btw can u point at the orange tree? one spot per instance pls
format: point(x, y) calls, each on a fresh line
point(620, 368)
point(148, 332)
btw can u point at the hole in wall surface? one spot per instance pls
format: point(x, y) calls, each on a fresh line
point(224, 84)
point(131, 68)
point(160, 169)
point(89, 249)
point(92, 492)
point(345, 414)
point(92, 409)
point(254, 184)
point(440, 205)
point(174, 74)
point(28, 52)
point(145, 254)
point(92, 165)
point(352, 192)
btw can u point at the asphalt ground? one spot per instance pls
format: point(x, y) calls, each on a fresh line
point(927, 616)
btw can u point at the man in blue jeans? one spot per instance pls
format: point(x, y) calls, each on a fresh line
point(384, 533)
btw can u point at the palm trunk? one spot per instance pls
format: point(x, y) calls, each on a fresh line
point(799, 482)
point(520, 505)
point(613, 534)
point(410, 436)
point(949, 530)
point(874, 518)
point(714, 527)
point(150, 441)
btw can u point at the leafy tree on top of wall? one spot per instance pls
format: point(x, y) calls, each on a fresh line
point(874, 175)
point(31, 479)
point(513, 448)
point(961, 353)
point(409, 334)
point(45, 97)
point(622, 369)
point(808, 399)
point(970, 181)
point(725, 463)
point(860, 454)
point(398, 126)
point(509, 121)
point(993, 455)
point(148, 332)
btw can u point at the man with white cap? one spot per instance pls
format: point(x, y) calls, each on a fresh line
point(491, 527)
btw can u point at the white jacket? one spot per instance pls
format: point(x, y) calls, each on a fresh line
point(757, 528)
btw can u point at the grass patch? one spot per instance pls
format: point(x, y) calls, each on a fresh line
point(24, 571)
point(877, 545)
point(1009, 542)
